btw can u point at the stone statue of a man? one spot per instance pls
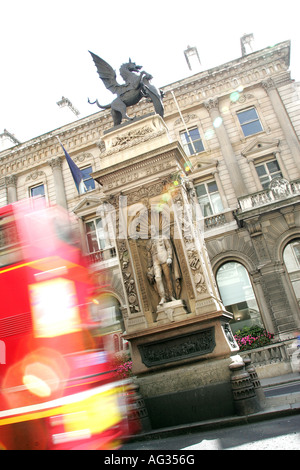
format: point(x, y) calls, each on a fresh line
point(160, 259)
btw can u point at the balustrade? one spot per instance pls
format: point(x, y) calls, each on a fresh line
point(102, 255)
point(273, 353)
point(280, 189)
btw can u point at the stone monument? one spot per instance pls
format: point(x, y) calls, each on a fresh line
point(177, 326)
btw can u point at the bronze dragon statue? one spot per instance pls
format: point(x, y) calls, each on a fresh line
point(137, 86)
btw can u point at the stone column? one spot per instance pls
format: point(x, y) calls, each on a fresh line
point(56, 165)
point(11, 188)
point(284, 121)
point(227, 150)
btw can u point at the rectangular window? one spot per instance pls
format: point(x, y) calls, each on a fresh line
point(95, 235)
point(87, 179)
point(98, 240)
point(267, 171)
point(209, 198)
point(37, 191)
point(249, 121)
point(191, 141)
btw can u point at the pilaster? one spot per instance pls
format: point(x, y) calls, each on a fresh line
point(11, 188)
point(56, 165)
point(226, 148)
point(283, 119)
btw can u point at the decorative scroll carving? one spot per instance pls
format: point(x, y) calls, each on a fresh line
point(178, 348)
point(187, 119)
point(131, 135)
point(127, 274)
point(194, 258)
point(36, 174)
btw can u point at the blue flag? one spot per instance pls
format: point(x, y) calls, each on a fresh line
point(76, 172)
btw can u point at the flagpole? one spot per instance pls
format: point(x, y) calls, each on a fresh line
point(186, 129)
point(59, 140)
point(76, 172)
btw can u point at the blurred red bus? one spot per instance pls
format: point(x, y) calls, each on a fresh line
point(57, 387)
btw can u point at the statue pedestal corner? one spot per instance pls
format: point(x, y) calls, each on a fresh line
point(170, 312)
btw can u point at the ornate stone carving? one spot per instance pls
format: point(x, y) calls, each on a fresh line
point(125, 139)
point(36, 174)
point(268, 84)
point(11, 180)
point(212, 104)
point(56, 162)
point(187, 119)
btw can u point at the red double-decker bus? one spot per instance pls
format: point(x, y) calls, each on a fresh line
point(57, 386)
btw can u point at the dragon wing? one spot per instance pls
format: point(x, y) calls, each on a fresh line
point(106, 73)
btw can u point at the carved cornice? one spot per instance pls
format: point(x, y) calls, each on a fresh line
point(42, 149)
point(245, 71)
point(139, 167)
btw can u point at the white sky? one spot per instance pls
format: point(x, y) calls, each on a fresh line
point(44, 48)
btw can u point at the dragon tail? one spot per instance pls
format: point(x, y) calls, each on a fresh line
point(107, 106)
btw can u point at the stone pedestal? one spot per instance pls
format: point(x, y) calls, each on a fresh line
point(145, 178)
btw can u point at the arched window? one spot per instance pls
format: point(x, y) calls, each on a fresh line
point(107, 310)
point(237, 295)
point(291, 257)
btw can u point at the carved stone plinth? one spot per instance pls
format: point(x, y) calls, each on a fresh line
point(133, 138)
point(181, 342)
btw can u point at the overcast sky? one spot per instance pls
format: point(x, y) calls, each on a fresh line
point(44, 48)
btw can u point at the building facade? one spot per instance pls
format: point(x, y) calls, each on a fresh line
point(239, 125)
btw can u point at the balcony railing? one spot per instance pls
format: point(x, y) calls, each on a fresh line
point(102, 255)
point(279, 189)
point(218, 220)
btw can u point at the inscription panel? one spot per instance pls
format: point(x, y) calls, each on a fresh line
point(178, 348)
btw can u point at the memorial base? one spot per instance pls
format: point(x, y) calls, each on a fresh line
point(188, 394)
point(182, 368)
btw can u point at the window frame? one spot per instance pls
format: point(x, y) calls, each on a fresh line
point(108, 247)
point(208, 195)
point(268, 174)
point(30, 188)
point(187, 143)
point(248, 122)
point(89, 178)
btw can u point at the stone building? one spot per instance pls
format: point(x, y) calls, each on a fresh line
point(239, 126)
